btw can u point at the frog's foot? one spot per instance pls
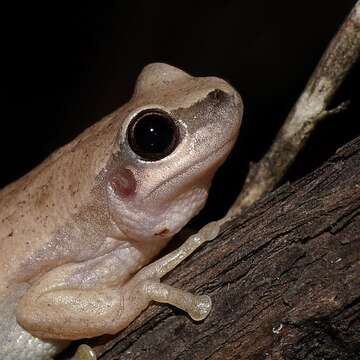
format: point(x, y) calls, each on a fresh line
point(84, 352)
point(198, 307)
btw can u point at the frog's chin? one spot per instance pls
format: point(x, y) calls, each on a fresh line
point(144, 221)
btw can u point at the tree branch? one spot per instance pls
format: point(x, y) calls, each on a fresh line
point(310, 109)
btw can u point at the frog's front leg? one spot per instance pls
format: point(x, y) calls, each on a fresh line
point(198, 307)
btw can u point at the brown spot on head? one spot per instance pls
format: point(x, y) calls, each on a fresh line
point(42, 195)
point(218, 96)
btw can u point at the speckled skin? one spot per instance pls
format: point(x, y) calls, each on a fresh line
point(72, 238)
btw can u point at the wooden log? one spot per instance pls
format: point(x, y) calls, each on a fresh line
point(284, 278)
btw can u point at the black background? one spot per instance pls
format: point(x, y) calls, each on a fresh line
point(67, 66)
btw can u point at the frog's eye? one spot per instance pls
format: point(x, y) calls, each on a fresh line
point(153, 134)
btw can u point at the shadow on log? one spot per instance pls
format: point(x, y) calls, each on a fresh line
point(284, 279)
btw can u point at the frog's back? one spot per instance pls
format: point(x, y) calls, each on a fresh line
point(26, 220)
point(20, 204)
point(32, 210)
point(36, 207)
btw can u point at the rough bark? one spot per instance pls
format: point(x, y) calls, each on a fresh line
point(284, 278)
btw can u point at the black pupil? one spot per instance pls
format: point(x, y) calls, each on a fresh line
point(153, 135)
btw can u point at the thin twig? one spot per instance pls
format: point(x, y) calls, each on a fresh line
point(309, 110)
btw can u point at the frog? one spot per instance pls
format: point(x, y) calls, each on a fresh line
point(80, 232)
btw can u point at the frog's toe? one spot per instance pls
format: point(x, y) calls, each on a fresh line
point(84, 352)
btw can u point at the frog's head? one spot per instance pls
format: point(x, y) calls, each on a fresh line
point(176, 132)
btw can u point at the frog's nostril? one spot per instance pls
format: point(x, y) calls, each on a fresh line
point(218, 95)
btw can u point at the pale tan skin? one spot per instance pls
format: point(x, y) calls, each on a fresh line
point(76, 230)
